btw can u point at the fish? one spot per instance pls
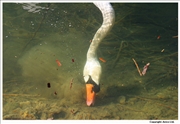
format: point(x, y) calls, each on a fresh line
point(101, 59)
point(58, 62)
point(145, 68)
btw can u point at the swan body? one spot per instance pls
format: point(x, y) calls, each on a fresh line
point(92, 68)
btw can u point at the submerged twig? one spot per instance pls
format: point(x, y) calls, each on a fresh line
point(37, 28)
point(137, 66)
point(118, 55)
point(157, 59)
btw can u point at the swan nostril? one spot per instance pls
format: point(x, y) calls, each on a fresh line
point(92, 90)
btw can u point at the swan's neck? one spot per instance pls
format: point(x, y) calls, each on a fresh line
point(92, 52)
point(108, 21)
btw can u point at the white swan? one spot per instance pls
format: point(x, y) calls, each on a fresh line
point(92, 68)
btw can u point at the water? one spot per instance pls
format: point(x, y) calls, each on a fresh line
point(35, 35)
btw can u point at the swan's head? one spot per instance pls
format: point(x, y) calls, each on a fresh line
point(92, 73)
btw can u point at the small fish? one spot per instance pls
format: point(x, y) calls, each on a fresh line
point(145, 68)
point(58, 62)
point(158, 37)
point(103, 60)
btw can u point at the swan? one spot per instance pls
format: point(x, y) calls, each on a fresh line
point(92, 68)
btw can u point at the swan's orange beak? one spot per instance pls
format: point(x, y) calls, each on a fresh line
point(90, 94)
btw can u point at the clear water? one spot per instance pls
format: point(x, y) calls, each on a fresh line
point(36, 35)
